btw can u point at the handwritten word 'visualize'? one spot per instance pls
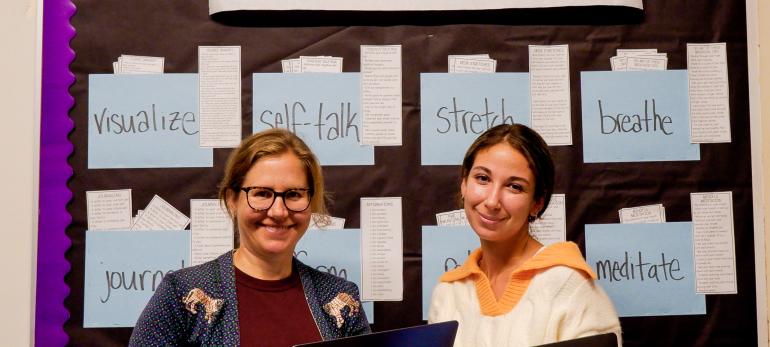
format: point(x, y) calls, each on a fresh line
point(329, 126)
point(121, 280)
point(623, 123)
point(465, 121)
point(144, 121)
point(630, 269)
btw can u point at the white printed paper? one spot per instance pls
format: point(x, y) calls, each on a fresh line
point(550, 93)
point(219, 97)
point(619, 63)
point(381, 249)
point(451, 218)
point(160, 215)
point(646, 63)
point(552, 226)
point(709, 93)
point(320, 64)
point(286, 66)
point(626, 52)
point(381, 95)
point(655, 213)
point(471, 64)
point(136, 64)
point(108, 209)
point(714, 243)
point(211, 230)
point(336, 223)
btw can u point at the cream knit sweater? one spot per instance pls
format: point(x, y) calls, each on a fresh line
point(552, 297)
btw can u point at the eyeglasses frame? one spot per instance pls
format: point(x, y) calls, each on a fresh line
point(276, 194)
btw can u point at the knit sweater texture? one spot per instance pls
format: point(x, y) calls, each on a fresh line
point(551, 297)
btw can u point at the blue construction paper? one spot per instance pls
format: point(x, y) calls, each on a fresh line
point(164, 110)
point(639, 293)
point(324, 109)
point(443, 248)
point(337, 252)
point(625, 93)
point(134, 262)
point(456, 108)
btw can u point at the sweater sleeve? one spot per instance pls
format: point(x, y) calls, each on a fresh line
point(162, 322)
point(587, 310)
point(438, 302)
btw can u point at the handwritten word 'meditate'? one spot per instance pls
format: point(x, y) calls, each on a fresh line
point(638, 269)
point(464, 121)
point(329, 126)
point(144, 121)
point(121, 280)
point(623, 123)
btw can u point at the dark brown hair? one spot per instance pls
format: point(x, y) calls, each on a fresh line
point(530, 144)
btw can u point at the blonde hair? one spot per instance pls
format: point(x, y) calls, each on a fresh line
point(270, 143)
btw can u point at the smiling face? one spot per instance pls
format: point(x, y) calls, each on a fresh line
point(499, 194)
point(274, 232)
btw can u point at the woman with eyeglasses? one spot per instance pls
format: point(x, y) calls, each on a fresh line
point(513, 291)
point(258, 294)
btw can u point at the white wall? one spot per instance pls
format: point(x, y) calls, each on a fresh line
point(19, 146)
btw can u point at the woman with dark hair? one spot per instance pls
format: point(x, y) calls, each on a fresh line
point(258, 294)
point(513, 291)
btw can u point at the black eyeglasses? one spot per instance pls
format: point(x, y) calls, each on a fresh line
point(262, 198)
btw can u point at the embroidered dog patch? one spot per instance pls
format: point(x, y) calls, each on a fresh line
point(210, 306)
point(334, 307)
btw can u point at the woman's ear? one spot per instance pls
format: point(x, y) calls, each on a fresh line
point(537, 206)
point(231, 199)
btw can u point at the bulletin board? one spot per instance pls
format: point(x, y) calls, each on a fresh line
point(595, 191)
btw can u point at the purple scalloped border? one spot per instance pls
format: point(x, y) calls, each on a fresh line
point(55, 147)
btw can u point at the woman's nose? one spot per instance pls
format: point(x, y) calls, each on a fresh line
point(278, 210)
point(492, 198)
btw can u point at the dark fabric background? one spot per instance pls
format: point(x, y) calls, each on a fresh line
point(175, 28)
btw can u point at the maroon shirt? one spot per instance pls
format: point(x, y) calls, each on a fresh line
point(273, 313)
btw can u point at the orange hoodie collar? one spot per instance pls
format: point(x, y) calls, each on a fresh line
point(562, 253)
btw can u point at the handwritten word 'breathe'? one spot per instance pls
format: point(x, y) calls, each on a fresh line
point(465, 121)
point(638, 269)
point(623, 123)
point(133, 281)
point(329, 126)
point(144, 121)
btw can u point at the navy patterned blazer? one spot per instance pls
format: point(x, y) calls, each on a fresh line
point(168, 321)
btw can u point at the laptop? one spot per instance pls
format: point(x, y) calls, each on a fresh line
point(429, 335)
point(602, 340)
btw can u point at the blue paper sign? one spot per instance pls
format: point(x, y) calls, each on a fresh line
point(337, 252)
point(456, 108)
point(646, 269)
point(443, 249)
point(631, 116)
point(144, 121)
point(324, 109)
point(123, 269)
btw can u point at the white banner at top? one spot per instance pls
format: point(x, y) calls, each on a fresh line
point(405, 5)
